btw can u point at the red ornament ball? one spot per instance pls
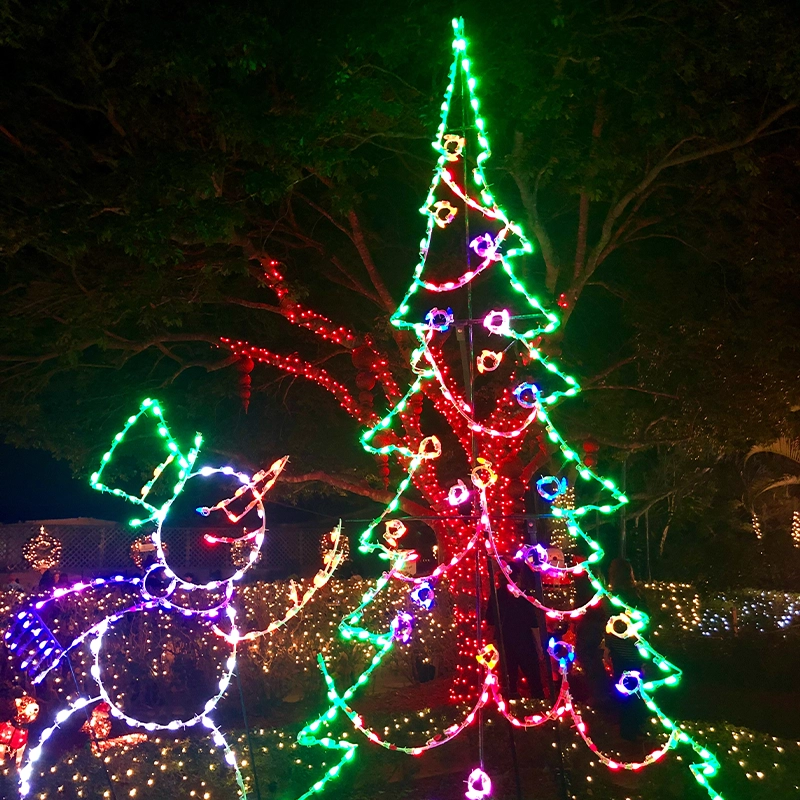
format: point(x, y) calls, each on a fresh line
point(365, 380)
point(381, 439)
point(363, 357)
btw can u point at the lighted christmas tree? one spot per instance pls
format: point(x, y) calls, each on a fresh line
point(483, 367)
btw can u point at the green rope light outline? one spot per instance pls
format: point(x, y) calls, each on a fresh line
point(185, 462)
point(384, 642)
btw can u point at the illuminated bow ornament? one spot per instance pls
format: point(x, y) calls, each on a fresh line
point(423, 595)
point(550, 487)
point(525, 391)
point(488, 657)
point(622, 626)
point(483, 475)
point(444, 213)
point(429, 447)
point(160, 590)
point(485, 246)
point(403, 627)
point(479, 786)
point(629, 683)
point(498, 322)
point(395, 530)
point(439, 320)
point(458, 494)
point(489, 361)
point(453, 145)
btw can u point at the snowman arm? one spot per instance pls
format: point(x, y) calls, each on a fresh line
point(335, 558)
point(79, 640)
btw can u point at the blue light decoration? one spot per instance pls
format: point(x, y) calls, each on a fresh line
point(30, 638)
point(525, 391)
point(423, 595)
point(562, 652)
point(629, 682)
point(403, 627)
point(439, 320)
point(559, 487)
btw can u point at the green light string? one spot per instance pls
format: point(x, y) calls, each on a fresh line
point(492, 210)
point(639, 621)
point(156, 513)
point(387, 420)
point(365, 543)
point(308, 736)
point(701, 772)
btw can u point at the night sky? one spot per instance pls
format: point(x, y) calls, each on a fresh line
point(37, 486)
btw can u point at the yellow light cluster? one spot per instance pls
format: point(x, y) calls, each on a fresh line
point(559, 535)
point(720, 613)
point(186, 769)
point(272, 666)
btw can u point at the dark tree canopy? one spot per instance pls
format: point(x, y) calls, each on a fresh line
point(153, 156)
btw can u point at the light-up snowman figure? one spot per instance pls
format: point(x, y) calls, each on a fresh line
point(161, 589)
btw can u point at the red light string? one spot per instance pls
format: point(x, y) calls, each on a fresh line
point(614, 764)
point(298, 366)
point(297, 313)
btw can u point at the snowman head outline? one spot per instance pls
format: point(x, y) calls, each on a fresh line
point(251, 489)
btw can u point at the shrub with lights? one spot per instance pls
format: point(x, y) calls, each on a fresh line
point(755, 765)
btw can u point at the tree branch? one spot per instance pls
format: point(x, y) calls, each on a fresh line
point(294, 365)
point(608, 371)
point(530, 202)
point(363, 489)
point(363, 251)
point(583, 203)
point(16, 142)
point(616, 211)
point(632, 389)
point(290, 309)
point(109, 113)
point(113, 342)
point(583, 228)
point(237, 301)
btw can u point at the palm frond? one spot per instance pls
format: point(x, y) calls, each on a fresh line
point(786, 480)
point(786, 447)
